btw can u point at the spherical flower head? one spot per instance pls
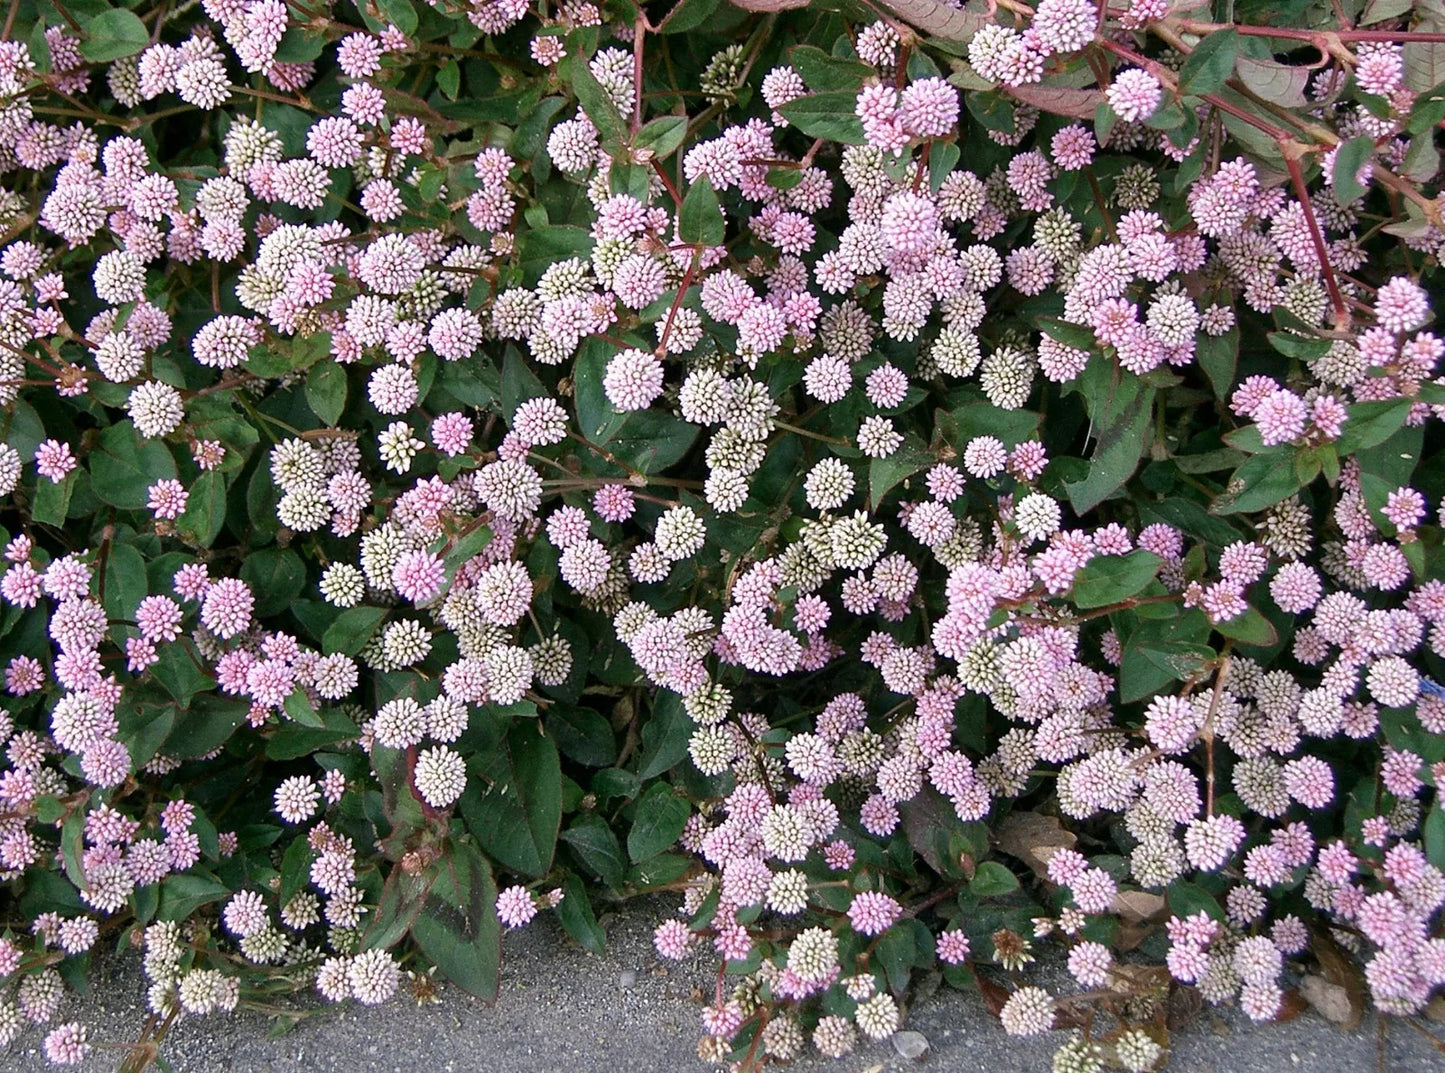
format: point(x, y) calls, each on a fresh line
point(1029, 1011)
point(909, 223)
point(226, 607)
point(440, 776)
point(1134, 95)
point(66, 1045)
point(167, 499)
point(1402, 305)
point(633, 380)
point(953, 947)
point(1281, 417)
point(419, 576)
point(515, 907)
point(373, 977)
point(929, 108)
point(873, 913)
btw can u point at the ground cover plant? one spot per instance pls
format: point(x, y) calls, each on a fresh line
point(931, 486)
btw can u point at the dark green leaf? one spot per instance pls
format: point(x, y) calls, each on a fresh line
point(276, 577)
point(700, 221)
point(182, 895)
point(352, 629)
point(516, 818)
point(123, 466)
point(113, 34)
point(826, 115)
point(993, 879)
point(1121, 410)
point(661, 816)
point(662, 136)
point(458, 928)
point(1218, 356)
point(1349, 158)
point(594, 844)
point(1108, 579)
point(1372, 423)
point(597, 103)
point(1210, 64)
point(575, 914)
point(1250, 628)
point(885, 473)
point(665, 736)
point(326, 391)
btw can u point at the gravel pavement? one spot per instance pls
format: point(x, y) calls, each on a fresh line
point(562, 1010)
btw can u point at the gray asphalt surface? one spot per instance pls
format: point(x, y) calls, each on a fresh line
point(561, 1009)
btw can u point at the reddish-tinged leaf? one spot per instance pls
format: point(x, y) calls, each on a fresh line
point(1059, 100)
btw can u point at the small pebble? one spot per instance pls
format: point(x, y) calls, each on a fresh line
point(911, 1045)
point(627, 978)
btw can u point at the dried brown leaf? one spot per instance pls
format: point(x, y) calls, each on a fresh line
point(1034, 838)
point(1338, 970)
point(1185, 1006)
point(1331, 1000)
point(1293, 1005)
point(1138, 906)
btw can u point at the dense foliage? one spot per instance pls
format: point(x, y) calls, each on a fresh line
point(930, 485)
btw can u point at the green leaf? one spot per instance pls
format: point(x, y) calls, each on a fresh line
point(112, 35)
point(993, 879)
point(1211, 63)
point(276, 577)
point(298, 708)
point(182, 895)
point(1121, 410)
point(1186, 899)
point(458, 928)
point(326, 391)
point(123, 466)
point(204, 726)
point(700, 220)
point(1261, 482)
point(662, 137)
point(296, 868)
point(652, 440)
point(1434, 835)
point(401, 13)
point(597, 848)
point(826, 73)
point(1303, 347)
point(541, 247)
point(292, 740)
point(598, 104)
point(52, 500)
point(665, 736)
point(519, 383)
point(1218, 355)
point(1250, 628)
point(1067, 332)
point(583, 735)
point(1108, 579)
point(827, 115)
point(299, 46)
point(688, 15)
point(352, 629)
point(1372, 423)
point(124, 581)
point(517, 817)
point(574, 913)
point(661, 816)
point(205, 514)
point(1349, 158)
point(885, 473)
